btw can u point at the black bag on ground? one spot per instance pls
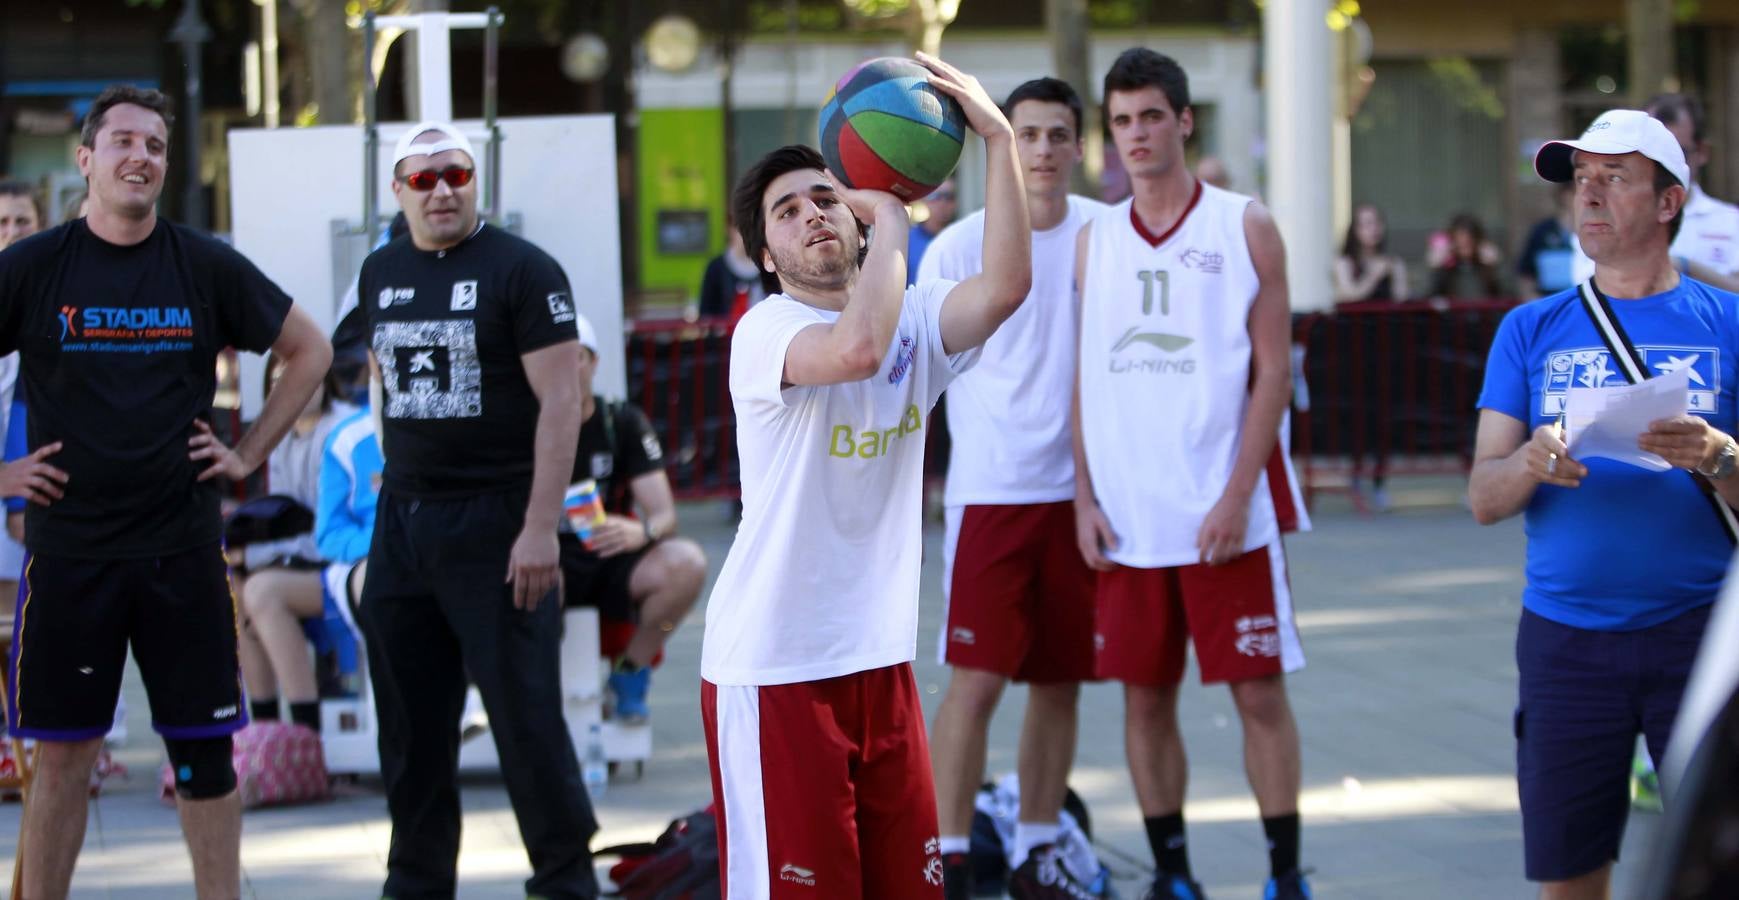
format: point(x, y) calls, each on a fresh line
point(683, 864)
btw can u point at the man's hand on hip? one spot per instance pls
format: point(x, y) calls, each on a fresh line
point(534, 568)
point(32, 478)
point(1687, 441)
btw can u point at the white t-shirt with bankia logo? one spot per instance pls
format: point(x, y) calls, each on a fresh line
point(822, 579)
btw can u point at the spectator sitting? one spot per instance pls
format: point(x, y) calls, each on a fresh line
point(633, 571)
point(278, 582)
point(1464, 262)
point(350, 476)
point(732, 282)
point(1366, 270)
point(1546, 257)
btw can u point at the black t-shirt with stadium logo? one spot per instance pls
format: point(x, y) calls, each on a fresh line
point(118, 352)
point(616, 446)
point(448, 328)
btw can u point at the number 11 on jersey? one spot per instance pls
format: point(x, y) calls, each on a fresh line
point(1148, 279)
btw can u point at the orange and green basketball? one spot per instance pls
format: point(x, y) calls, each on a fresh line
point(885, 128)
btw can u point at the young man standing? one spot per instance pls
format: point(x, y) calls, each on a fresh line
point(1020, 598)
point(1623, 562)
point(1185, 376)
point(814, 728)
point(119, 318)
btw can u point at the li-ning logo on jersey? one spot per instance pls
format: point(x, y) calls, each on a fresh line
point(902, 361)
point(391, 295)
point(797, 875)
point(1155, 284)
point(1592, 367)
point(1205, 261)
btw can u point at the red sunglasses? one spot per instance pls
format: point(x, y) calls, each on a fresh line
point(454, 176)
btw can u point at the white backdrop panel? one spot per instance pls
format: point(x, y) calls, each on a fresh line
point(558, 174)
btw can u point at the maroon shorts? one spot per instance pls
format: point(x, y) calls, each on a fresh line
point(823, 788)
point(1239, 616)
point(1020, 599)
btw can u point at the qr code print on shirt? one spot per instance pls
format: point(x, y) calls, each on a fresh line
point(430, 369)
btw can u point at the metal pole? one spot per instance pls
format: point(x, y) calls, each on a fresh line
point(371, 134)
point(269, 56)
point(491, 60)
point(191, 33)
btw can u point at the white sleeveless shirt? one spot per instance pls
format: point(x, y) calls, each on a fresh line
point(1165, 376)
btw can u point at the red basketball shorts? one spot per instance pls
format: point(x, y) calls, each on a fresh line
point(1239, 616)
point(824, 789)
point(1020, 599)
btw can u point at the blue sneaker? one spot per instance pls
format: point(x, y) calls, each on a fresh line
point(1290, 886)
point(630, 688)
point(1174, 887)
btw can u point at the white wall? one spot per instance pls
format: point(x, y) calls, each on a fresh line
point(558, 174)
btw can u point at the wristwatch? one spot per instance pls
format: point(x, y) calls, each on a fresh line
point(1724, 462)
point(652, 534)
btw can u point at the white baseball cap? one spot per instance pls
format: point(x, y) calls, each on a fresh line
point(588, 334)
point(1615, 133)
point(451, 139)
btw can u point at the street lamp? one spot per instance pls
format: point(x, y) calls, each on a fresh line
point(191, 33)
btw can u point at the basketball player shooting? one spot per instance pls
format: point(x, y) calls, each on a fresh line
point(819, 761)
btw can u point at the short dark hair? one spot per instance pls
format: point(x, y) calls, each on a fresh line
point(1139, 67)
point(1670, 108)
point(11, 188)
point(1664, 179)
point(116, 94)
point(1046, 90)
point(751, 219)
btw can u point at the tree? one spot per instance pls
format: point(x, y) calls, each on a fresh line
point(923, 21)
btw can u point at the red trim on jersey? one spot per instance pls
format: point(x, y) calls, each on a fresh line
point(1280, 488)
point(1147, 236)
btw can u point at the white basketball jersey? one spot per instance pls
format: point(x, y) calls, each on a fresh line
point(1165, 376)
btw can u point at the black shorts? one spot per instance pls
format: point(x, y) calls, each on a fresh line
point(75, 619)
point(588, 580)
point(1584, 697)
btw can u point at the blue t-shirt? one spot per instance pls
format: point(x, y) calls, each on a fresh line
point(915, 247)
point(17, 446)
point(1630, 548)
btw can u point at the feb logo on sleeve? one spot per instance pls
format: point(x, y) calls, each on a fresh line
point(561, 308)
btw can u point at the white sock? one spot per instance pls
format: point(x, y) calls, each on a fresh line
point(955, 843)
point(1028, 835)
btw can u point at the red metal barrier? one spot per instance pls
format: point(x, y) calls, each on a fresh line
point(679, 375)
point(1389, 389)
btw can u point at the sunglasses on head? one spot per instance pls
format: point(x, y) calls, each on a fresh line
point(454, 176)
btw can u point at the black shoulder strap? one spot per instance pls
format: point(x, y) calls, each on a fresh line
point(1624, 353)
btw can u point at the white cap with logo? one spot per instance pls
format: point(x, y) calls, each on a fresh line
point(1615, 133)
point(588, 334)
point(451, 138)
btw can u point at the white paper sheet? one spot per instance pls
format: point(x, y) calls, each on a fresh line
point(1606, 421)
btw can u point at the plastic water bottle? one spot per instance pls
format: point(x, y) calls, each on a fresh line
point(594, 766)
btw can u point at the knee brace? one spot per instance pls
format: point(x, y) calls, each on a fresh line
point(203, 770)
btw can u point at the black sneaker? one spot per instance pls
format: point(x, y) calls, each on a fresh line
point(1044, 877)
point(956, 876)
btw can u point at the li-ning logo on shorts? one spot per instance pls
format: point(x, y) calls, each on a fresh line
point(797, 875)
point(963, 636)
point(902, 361)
